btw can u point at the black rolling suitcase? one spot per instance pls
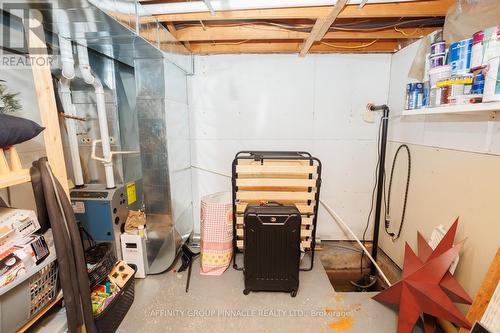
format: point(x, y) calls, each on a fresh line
point(272, 248)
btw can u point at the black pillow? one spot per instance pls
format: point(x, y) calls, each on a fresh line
point(14, 130)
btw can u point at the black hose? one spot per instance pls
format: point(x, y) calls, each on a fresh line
point(64, 226)
point(387, 221)
point(64, 251)
point(80, 263)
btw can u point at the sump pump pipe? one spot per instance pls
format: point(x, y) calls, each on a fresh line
point(84, 65)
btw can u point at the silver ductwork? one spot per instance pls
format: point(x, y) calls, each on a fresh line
point(145, 100)
point(162, 110)
point(85, 69)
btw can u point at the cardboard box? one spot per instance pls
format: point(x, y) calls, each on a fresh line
point(7, 235)
point(21, 256)
point(34, 246)
point(120, 274)
point(16, 224)
point(12, 265)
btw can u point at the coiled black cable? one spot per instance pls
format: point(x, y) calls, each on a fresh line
point(387, 221)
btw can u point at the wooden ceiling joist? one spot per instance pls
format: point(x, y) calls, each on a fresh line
point(321, 26)
point(262, 32)
point(368, 29)
point(340, 46)
point(173, 31)
point(308, 42)
point(426, 8)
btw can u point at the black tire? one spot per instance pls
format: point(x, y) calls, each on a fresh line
point(246, 291)
point(293, 293)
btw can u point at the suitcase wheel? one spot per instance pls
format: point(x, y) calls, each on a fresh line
point(246, 291)
point(293, 293)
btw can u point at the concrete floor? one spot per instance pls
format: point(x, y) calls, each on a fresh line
point(217, 304)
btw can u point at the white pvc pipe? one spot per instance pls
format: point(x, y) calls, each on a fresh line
point(339, 219)
point(84, 65)
point(65, 47)
point(69, 109)
point(68, 73)
point(227, 5)
point(67, 62)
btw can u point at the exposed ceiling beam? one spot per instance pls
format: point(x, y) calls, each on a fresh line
point(424, 8)
point(167, 41)
point(321, 26)
point(174, 32)
point(264, 32)
point(384, 46)
point(308, 42)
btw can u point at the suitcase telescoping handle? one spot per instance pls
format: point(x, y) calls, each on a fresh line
point(274, 223)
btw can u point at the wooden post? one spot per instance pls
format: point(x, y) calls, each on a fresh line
point(321, 26)
point(46, 100)
point(485, 292)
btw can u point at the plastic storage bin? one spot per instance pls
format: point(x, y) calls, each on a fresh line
point(24, 298)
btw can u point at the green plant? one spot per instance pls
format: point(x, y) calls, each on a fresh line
point(8, 101)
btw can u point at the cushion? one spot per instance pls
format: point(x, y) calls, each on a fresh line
point(14, 130)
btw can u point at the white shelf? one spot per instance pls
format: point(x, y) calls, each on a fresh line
point(456, 109)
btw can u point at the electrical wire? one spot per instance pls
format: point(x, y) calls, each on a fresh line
point(349, 46)
point(381, 26)
point(405, 33)
point(211, 171)
point(353, 26)
point(387, 219)
point(230, 43)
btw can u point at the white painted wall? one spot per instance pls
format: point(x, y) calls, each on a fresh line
point(283, 102)
point(455, 167)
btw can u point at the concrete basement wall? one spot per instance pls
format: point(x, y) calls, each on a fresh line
point(455, 172)
point(284, 102)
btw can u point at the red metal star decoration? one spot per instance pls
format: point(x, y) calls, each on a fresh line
point(427, 287)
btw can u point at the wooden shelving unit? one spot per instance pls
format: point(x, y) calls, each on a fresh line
point(42, 79)
point(456, 109)
point(15, 178)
